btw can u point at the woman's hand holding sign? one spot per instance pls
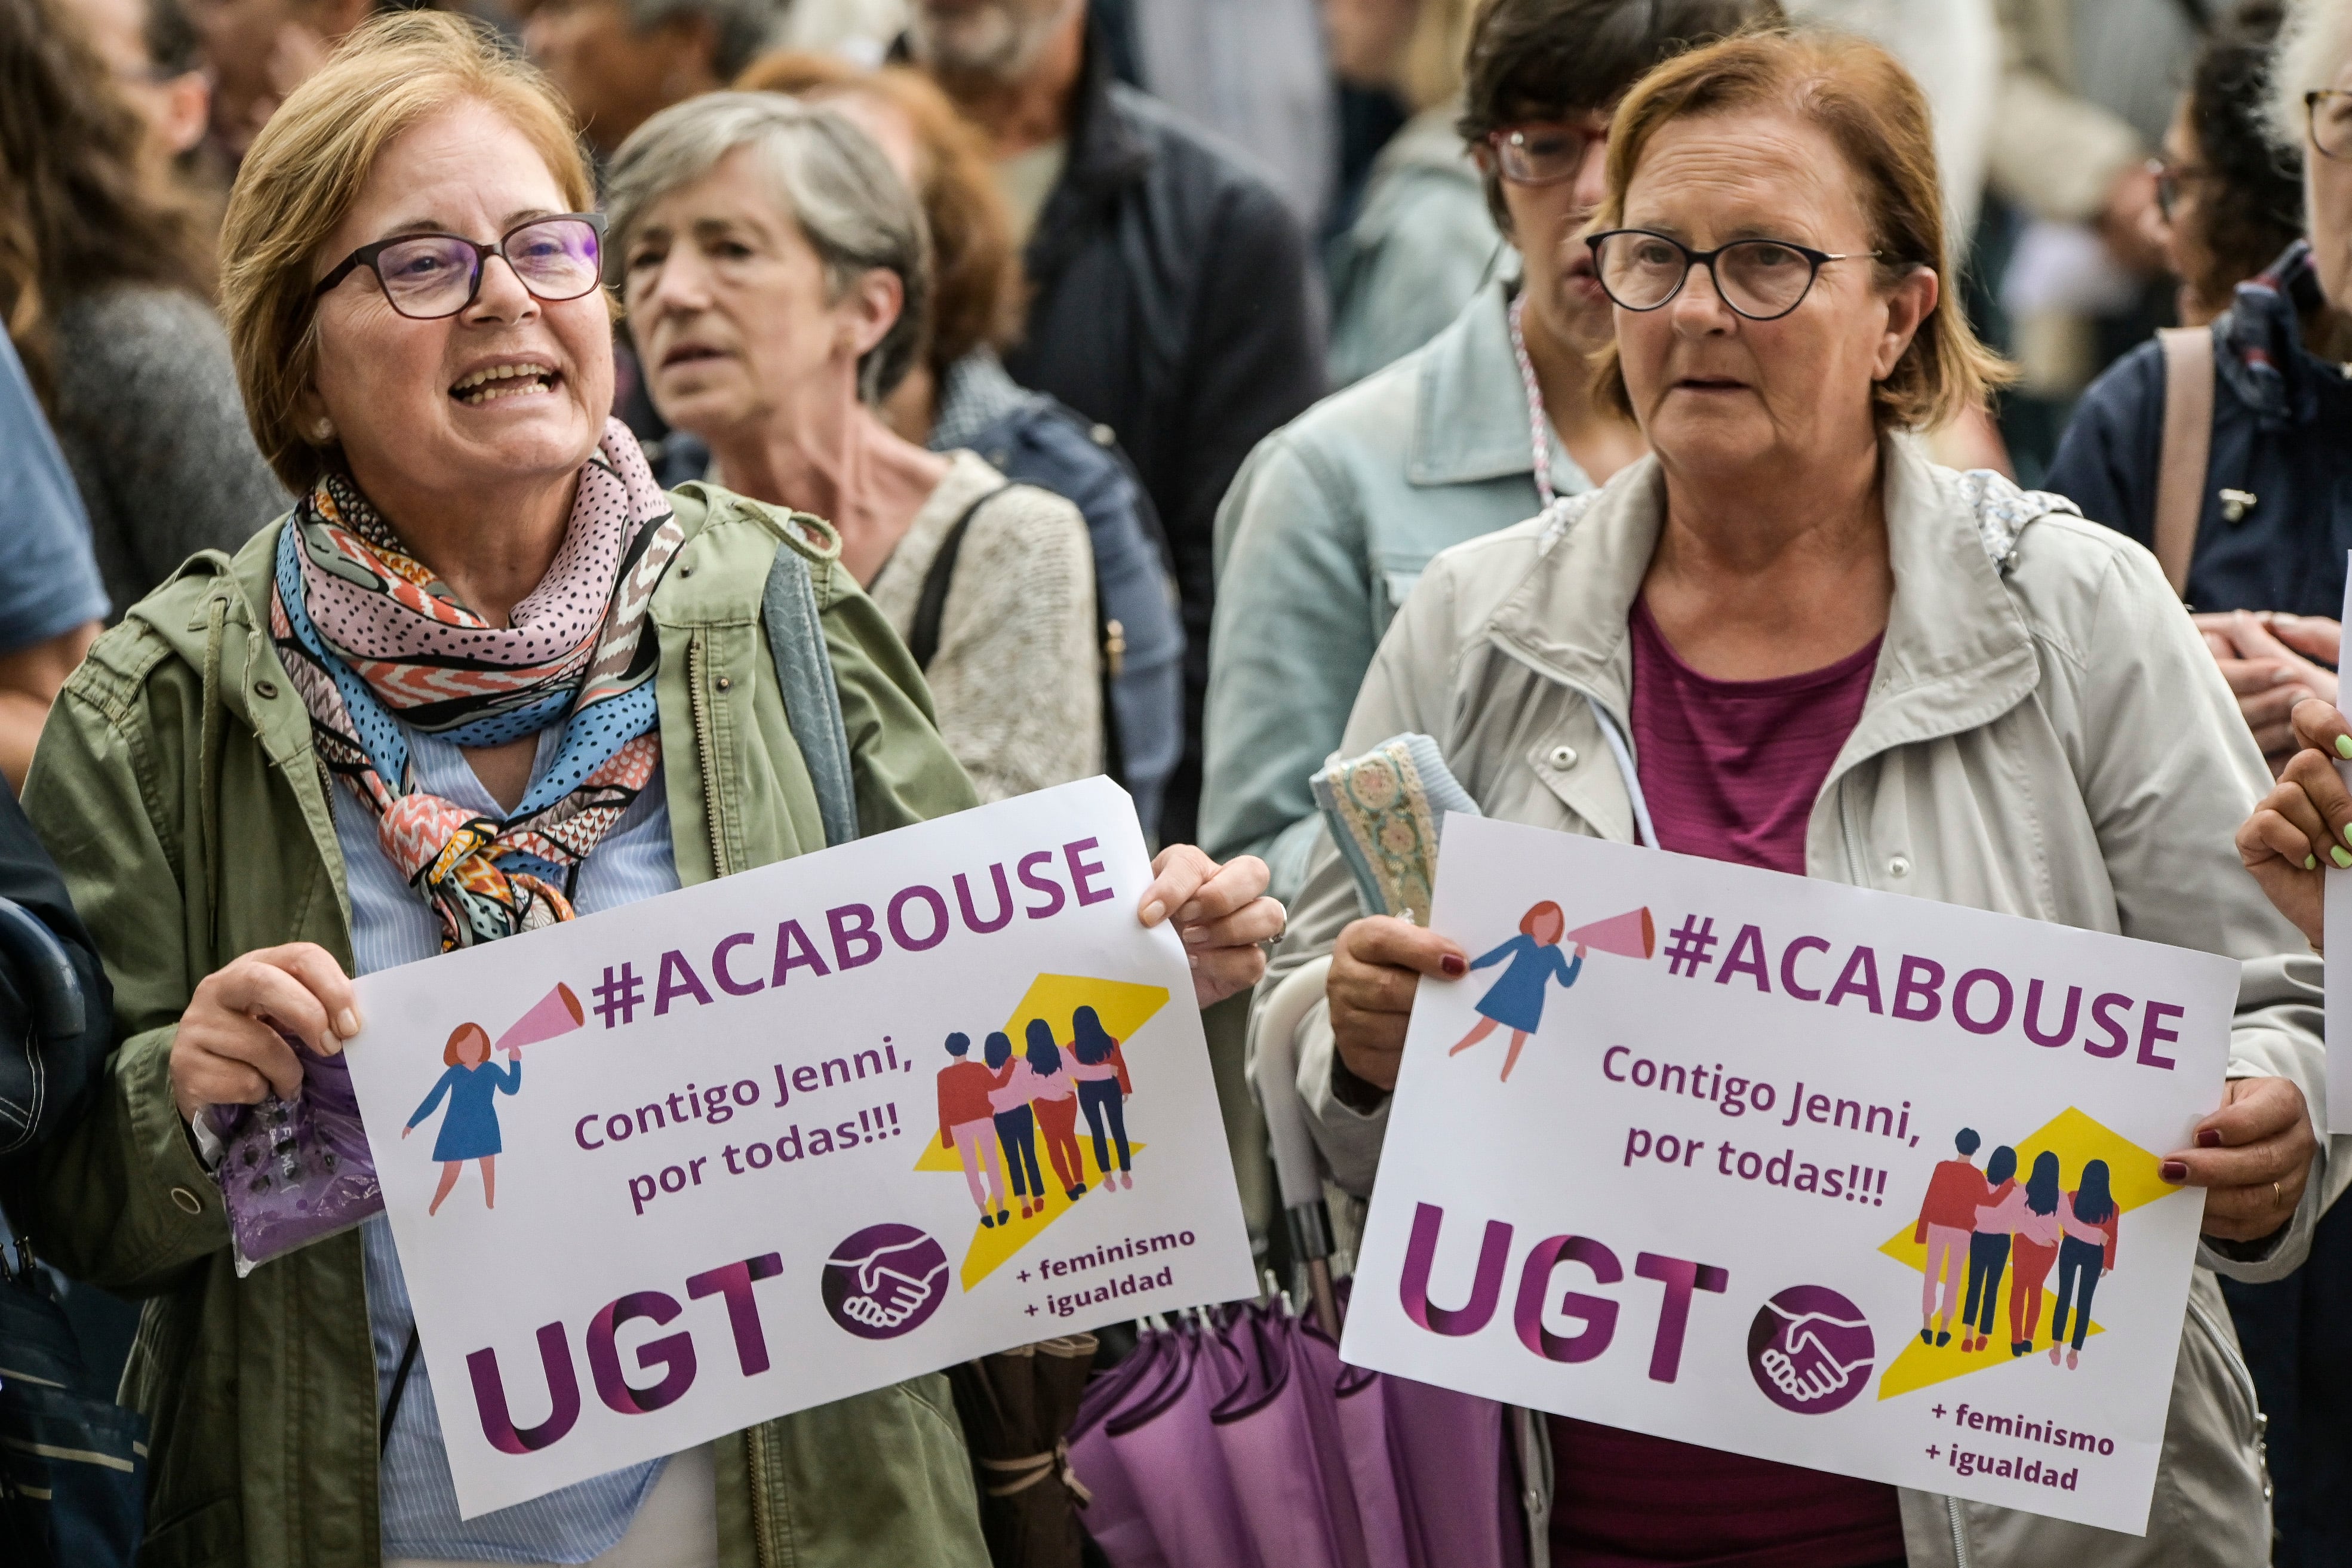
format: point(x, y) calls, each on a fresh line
point(2304, 825)
point(1219, 911)
point(1376, 967)
point(2252, 1156)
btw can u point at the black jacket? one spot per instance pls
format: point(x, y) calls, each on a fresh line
point(1173, 303)
point(2280, 419)
point(57, 1008)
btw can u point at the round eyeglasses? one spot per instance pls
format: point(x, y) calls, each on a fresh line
point(1543, 153)
point(2329, 110)
point(1762, 280)
point(426, 276)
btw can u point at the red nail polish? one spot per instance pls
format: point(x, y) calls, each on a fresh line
point(1454, 965)
point(2174, 1171)
point(2209, 1138)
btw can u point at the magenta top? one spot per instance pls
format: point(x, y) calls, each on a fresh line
point(1731, 769)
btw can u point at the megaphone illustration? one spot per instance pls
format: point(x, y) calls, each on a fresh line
point(556, 1013)
point(1629, 935)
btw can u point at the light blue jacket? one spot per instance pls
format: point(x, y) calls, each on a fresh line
point(1322, 535)
point(1419, 247)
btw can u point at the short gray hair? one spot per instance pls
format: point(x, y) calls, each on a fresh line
point(851, 206)
point(2312, 44)
point(740, 28)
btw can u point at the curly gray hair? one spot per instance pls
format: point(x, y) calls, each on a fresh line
point(836, 183)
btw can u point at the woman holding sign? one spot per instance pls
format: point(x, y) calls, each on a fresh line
point(485, 675)
point(1787, 639)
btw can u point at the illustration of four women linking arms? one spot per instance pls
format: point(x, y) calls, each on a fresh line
point(1008, 1101)
point(1986, 1217)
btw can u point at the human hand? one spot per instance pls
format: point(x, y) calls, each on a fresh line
point(1221, 913)
point(2304, 825)
point(2252, 1156)
point(231, 1047)
point(1376, 968)
point(406, 1131)
point(2267, 658)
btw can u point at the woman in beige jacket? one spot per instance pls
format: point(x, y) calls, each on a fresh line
point(2031, 726)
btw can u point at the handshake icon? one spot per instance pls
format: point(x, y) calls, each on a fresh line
point(1810, 1349)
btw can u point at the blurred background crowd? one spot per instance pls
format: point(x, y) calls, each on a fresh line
point(1177, 277)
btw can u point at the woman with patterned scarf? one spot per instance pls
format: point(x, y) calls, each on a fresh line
point(486, 676)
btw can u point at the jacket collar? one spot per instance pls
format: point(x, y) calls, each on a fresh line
point(2264, 360)
point(1957, 655)
point(1470, 405)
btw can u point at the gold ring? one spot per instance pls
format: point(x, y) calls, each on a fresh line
point(2277, 1196)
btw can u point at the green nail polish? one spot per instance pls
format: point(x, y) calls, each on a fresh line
point(2343, 860)
point(2344, 747)
point(2311, 862)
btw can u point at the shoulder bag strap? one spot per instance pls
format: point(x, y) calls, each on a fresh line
point(804, 681)
point(923, 636)
point(2188, 444)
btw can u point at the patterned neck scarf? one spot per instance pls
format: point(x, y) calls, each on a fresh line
point(374, 641)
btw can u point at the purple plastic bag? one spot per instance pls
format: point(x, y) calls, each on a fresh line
point(293, 1172)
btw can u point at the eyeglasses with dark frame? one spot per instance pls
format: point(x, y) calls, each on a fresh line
point(2331, 133)
point(1762, 280)
point(2169, 178)
point(1541, 152)
point(556, 257)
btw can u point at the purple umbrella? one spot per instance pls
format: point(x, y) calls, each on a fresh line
point(1279, 1434)
point(1114, 1516)
point(1167, 1445)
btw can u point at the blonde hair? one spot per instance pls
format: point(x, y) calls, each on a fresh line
point(1868, 105)
point(304, 171)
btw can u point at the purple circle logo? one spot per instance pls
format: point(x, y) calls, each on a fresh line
point(885, 1282)
point(1810, 1350)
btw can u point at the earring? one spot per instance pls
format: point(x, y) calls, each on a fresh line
point(323, 432)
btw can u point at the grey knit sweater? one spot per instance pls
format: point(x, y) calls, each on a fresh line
point(146, 408)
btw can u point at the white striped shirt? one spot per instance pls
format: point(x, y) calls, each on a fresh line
point(390, 925)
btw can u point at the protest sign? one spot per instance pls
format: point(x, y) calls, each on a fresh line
point(1797, 1170)
point(792, 1135)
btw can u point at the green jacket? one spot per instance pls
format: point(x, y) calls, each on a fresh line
point(176, 786)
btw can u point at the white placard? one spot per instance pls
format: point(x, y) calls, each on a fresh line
point(723, 1190)
point(1697, 1206)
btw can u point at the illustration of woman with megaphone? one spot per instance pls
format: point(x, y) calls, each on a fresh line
point(1516, 1001)
point(470, 1129)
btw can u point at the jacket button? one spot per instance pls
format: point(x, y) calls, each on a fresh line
point(1563, 757)
point(187, 1201)
point(725, 682)
point(265, 689)
point(1103, 436)
point(1898, 866)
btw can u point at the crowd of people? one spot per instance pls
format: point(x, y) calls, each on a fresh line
point(1738, 426)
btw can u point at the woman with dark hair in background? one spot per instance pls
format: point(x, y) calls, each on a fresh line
point(103, 284)
point(2257, 503)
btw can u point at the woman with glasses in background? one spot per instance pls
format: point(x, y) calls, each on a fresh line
point(1333, 517)
point(1786, 639)
point(449, 697)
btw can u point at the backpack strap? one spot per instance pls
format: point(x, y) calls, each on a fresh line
point(804, 681)
point(923, 636)
point(2188, 445)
